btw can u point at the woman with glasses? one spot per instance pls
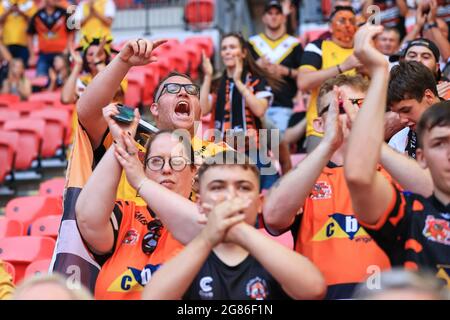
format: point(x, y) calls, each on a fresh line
point(126, 239)
point(242, 99)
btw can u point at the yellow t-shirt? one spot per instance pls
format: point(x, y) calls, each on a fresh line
point(6, 283)
point(15, 27)
point(94, 26)
point(320, 55)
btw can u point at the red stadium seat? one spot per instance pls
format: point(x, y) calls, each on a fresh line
point(10, 228)
point(179, 59)
point(49, 98)
point(7, 114)
point(203, 43)
point(21, 251)
point(168, 46)
point(133, 95)
point(53, 187)
point(195, 59)
point(28, 209)
point(46, 226)
point(199, 13)
point(10, 269)
point(7, 99)
point(57, 122)
point(39, 267)
point(31, 132)
point(164, 66)
point(25, 107)
point(9, 142)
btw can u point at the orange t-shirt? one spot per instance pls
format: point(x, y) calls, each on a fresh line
point(329, 234)
point(128, 269)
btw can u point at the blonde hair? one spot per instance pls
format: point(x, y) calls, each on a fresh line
point(80, 293)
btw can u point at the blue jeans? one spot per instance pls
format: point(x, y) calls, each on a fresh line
point(45, 61)
point(279, 117)
point(20, 52)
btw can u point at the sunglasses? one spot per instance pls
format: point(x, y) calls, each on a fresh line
point(157, 163)
point(174, 88)
point(151, 238)
point(358, 102)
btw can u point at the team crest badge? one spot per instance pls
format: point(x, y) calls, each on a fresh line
point(257, 289)
point(321, 191)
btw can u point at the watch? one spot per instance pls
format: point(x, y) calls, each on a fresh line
point(429, 26)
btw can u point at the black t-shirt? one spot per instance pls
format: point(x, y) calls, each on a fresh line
point(246, 281)
point(294, 120)
point(415, 234)
point(283, 97)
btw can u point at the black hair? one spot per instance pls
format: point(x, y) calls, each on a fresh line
point(410, 80)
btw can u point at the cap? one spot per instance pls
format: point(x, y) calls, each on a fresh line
point(424, 43)
point(273, 4)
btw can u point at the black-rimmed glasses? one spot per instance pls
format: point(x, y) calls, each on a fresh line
point(157, 163)
point(175, 88)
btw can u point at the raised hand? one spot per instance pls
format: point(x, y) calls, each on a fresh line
point(221, 217)
point(238, 69)
point(139, 52)
point(350, 63)
point(365, 49)
point(100, 54)
point(117, 129)
point(333, 127)
point(207, 67)
point(127, 155)
point(76, 57)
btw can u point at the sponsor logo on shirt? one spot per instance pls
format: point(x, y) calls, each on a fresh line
point(256, 289)
point(444, 273)
point(206, 288)
point(342, 226)
point(321, 191)
point(437, 230)
point(133, 279)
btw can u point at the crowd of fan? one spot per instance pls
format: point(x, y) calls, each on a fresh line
point(171, 215)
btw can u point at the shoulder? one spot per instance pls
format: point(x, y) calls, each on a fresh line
point(314, 45)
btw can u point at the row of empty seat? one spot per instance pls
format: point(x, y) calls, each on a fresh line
point(184, 57)
point(32, 130)
point(29, 229)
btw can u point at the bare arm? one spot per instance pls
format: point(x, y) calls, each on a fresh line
point(173, 279)
point(24, 88)
point(295, 133)
point(406, 172)
point(205, 104)
point(96, 203)
point(288, 195)
point(256, 105)
point(298, 276)
point(401, 4)
point(371, 192)
point(68, 93)
point(101, 90)
point(177, 213)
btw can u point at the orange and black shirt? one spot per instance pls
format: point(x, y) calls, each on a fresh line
point(415, 233)
point(51, 29)
point(328, 233)
point(127, 269)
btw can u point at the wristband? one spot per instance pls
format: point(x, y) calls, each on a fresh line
point(339, 69)
point(429, 26)
point(140, 186)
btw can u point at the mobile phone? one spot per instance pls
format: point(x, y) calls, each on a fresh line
point(126, 114)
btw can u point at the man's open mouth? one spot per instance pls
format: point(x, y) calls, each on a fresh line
point(183, 109)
